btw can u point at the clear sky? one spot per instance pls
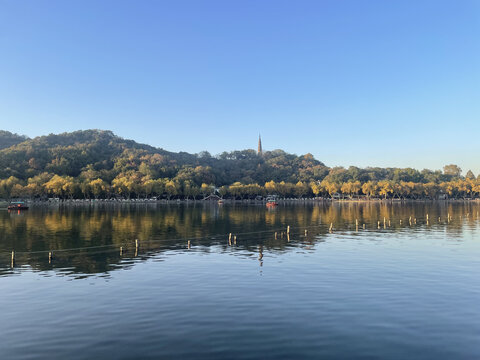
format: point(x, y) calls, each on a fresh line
point(366, 83)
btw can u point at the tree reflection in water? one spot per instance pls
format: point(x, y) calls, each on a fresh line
point(98, 239)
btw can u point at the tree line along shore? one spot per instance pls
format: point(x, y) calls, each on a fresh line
point(96, 164)
point(64, 188)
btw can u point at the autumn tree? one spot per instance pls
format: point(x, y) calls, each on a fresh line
point(370, 188)
point(98, 187)
point(301, 189)
point(330, 187)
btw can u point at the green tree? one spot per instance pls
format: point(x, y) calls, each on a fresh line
point(470, 175)
point(452, 170)
point(171, 188)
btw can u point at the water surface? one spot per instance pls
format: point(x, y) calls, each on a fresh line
point(403, 287)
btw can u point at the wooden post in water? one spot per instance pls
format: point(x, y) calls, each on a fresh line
point(363, 226)
point(13, 258)
point(288, 237)
point(378, 224)
point(400, 221)
point(356, 224)
point(189, 244)
point(229, 238)
point(427, 220)
point(121, 250)
point(415, 221)
point(235, 240)
point(50, 257)
point(288, 229)
point(306, 232)
point(275, 235)
point(331, 227)
point(389, 223)
point(384, 224)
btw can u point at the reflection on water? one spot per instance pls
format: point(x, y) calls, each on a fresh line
point(99, 239)
point(404, 287)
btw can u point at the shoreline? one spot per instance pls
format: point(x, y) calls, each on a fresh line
point(74, 202)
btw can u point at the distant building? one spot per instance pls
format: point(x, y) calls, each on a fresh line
point(212, 197)
point(337, 196)
point(259, 151)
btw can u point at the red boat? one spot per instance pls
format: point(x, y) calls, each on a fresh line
point(272, 201)
point(17, 206)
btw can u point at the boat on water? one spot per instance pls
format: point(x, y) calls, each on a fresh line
point(272, 201)
point(17, 205)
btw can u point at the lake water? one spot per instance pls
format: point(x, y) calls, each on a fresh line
point(390, 291)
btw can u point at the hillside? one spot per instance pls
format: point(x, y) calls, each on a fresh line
point(8, 139)
point(97, 163)
point(69, 154)
point(93, 154)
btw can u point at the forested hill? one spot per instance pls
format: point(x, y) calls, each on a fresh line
point(100, 154)
point(8, 139)
point(96, 163)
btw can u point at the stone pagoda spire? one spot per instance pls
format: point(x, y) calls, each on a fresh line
point(259, 151)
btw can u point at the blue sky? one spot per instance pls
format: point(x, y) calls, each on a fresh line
point(365, 83)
